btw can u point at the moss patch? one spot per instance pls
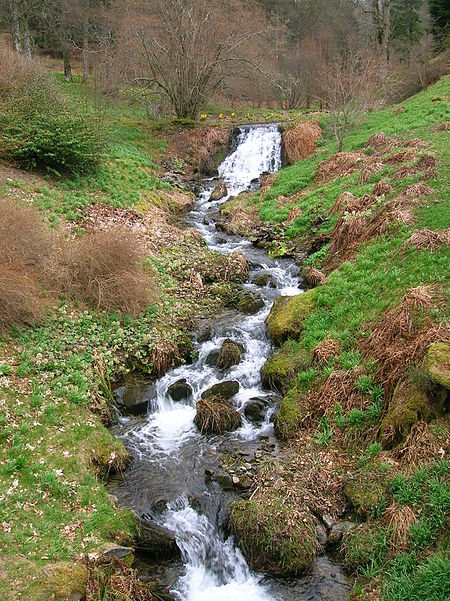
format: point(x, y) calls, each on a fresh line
point(288, 315)
point(366, 492)
point(409, 405)
point(271, 538)
point(437, 364)
point(281, 369)
point(64, 581)
point(290, 415)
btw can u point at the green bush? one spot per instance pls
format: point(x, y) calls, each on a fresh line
point(61, 142)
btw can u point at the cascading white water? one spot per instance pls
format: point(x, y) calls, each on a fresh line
point(171, 451)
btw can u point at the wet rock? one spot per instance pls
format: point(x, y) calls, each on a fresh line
point(219, 192)
point(321, 536)
point(254, 411)
point(133, 399)
point(204, 333)
point(209, 472)
point(288, 314)
point(211, 359)
point(216, 416)
point(263, 279)
point(159, 506)
point(225, 481)
point(180, 390)
point(230, 354)
point(225, 390)
point(155, 541)
point(338, 531)
point(250, 303)
point(328, 521)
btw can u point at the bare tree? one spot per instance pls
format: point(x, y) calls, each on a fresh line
point(190, 48)
point(19, 13)
point(347, 87)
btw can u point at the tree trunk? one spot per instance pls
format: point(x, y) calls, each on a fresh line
point(67, 62)
point(26, 36)
point(14, 24)
point(86, 41)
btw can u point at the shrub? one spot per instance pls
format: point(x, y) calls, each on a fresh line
point(21, 301)
point(105, 269)
point(37, 129)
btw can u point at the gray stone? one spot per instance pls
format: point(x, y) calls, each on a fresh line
point(155, 541)
point(338, 531)
point(211, 359)
point(328, 521)
point(122, 553)
point(321, 536)
point(134, 398)
point(180, 390)
point(254, 411)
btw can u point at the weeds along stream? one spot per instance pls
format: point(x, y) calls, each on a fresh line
point(166, 481)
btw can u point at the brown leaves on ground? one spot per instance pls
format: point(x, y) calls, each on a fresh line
point(402, 337)
point(443, 127)
point(382, 188)
point(300, 142)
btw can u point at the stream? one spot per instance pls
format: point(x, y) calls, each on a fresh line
point(166, 480)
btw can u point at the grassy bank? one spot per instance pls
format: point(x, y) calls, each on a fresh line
point(364, 396)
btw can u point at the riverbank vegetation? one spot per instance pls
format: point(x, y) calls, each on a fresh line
point(99, 278)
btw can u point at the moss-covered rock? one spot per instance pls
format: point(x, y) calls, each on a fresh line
point(66, 582)
point(180, 390)
point(409, 404)
point(219, 192)
point(108, 455)
point(437, 364)
point(290, 415)
point(367, 492)
point(250, 303)
point(230, 354)
point(224, 390)
point(280, 370)
point(288, 315)
point(270, 538)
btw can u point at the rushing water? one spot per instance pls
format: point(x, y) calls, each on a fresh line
point(171, 455)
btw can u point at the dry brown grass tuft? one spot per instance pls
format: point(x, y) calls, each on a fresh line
point(382, 188)
point(443, 127)
point(216, 416)
point(342, 202)
point(402, 337)
point(429, 239)
point(338, 388)
point(402, 157)
point(382, 143)
point(340, 165)
point(165, 353)
point(301, 142)
point(314, 277)
point(25, 249)
point(399, 519)
point(21, 298)
point(105, 269)
point(424, 444)
point(325, 351)
point(369, 170)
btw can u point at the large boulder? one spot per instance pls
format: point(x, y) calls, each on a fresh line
point(155, 541)
point(180, 390)
point(288, 314)
point(437, 364)
point(230, 354)
point(224, 390)
point(270, 538)
point(219, 192)
point(216, 416)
